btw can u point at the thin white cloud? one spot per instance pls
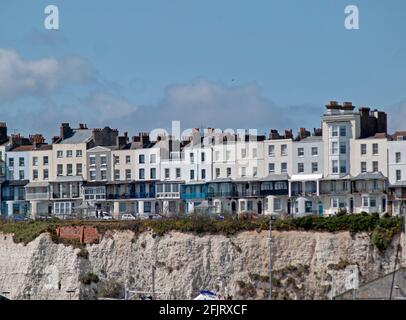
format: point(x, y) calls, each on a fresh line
point(20, 77)
point(108, 107)
point(51, 38)
point(396, 123)
point(199, 103)
point(205, 103)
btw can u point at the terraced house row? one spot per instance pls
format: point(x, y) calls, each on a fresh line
point(350, 163)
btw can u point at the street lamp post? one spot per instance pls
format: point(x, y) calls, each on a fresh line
point(404, 238)
point(153, 282)
point(70, 293)
point(270, 258)
point(5, 294)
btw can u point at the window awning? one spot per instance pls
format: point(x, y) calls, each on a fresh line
point(305, 177)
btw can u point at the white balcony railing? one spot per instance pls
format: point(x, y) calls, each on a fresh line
point(38, 196)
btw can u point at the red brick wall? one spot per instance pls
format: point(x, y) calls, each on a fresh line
point(85, 234)
point(91, 235)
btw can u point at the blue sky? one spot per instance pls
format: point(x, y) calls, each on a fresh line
point(137, 65)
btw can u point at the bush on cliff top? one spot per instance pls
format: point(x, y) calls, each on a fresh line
point(351, 222)
point(28, 231)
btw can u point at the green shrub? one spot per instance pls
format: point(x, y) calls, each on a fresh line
point(341, 212)
point(258, 277)
point(111, 289)
point(381, 238)
point(246, 289)
point(83, 253)
point(88, 278)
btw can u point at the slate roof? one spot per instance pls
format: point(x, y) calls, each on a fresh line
point(369, 176)
point(79, 136)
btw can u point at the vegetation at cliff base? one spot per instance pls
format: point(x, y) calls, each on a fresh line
point(89, 278)
point(382, 228)
point(83, 253)
point(112, 289)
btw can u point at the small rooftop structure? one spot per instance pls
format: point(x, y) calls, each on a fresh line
point(398, 136)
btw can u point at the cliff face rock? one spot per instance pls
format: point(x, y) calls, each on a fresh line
point(307, 265)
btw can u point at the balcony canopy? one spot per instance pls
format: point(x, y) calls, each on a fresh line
point(220, 180)
point(275, 177)
point(68, 179)
point(370, 176)
point(15, 183)
point(120, 182)
point(37, 184)
point(94, 183)
point(246, 179)
point(398, 184)
point(305, 177)
point(337, 177)
point(176, 181)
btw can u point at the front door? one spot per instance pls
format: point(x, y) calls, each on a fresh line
point(259, 207)
point(233, 207)
point(320, 208)
point(383, 204)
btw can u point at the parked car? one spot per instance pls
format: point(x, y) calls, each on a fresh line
point(127, 216)
point(142, 216)
point(47, 217)
point(154, 216)
point(146, 216)
point(18, 218)
point(106, 216)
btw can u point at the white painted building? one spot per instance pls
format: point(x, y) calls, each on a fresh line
point(278, 157)
point(307, 172)
point(355, 163)
point(38, 190)
point(17, 176)
point(397, 173)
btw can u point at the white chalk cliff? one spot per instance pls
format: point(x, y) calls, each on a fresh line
point(307, 265)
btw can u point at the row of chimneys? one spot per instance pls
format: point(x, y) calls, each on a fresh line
point(141, 139)
point(335, 105)
point(301, 134)
point(347, 106)
point(33, 139)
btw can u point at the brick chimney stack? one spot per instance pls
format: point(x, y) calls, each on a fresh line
point(37, 139)
point(333, 105)
point(65, 131)
point(288, 134)
point(302, 134)
point(143, 139)
point(274, 134)
point(122, 140)
point(318, 132)
point(3, 132)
